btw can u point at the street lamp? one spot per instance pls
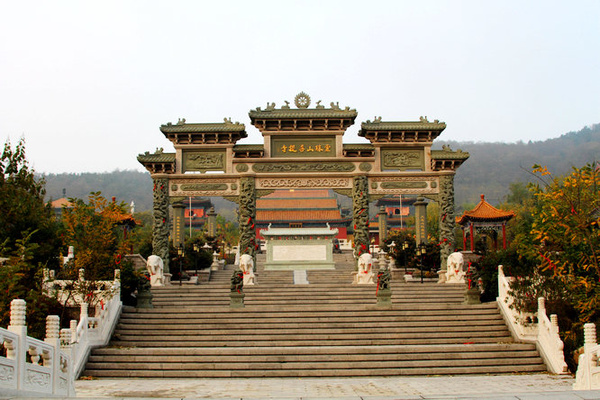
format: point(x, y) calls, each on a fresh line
point(421, 250)
point(404, 251)
point(180, 253)
point(196, 251)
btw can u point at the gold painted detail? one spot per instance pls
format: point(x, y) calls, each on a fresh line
point(404, 185)
point(304, 183)
point(203, 161)
point(304, 167)
point(402, 159)
point(308, 147)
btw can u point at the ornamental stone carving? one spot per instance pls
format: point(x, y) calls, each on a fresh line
point(190, 187)
point(203, 161)
point(402, 159)
point(304, 167)
point(241, 167)
point(365, 166)
point(304, 182)
point(160, 228)
point(446, 218)
point(360, 216)
point(404, 185)
point(247, 214)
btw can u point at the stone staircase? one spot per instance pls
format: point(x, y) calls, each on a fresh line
point(326, 328)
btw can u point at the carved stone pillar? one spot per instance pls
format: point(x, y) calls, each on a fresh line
point(160, 228)
point(382, 225)
point(447, 222)
point(421, 220)
point(247, 215)
point(178, 234)
point(211, 222)
point(360, 215)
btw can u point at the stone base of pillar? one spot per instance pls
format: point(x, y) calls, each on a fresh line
point(384, 297)
point(441, 276)
point(472, 296)
point(144, 299)
point(167, 279)
point(236, 300)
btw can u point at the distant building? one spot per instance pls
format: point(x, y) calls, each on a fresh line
point(58, 205)
point(301, 208)
point(196, 209)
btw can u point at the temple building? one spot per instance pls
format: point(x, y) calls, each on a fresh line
point(301, 208)
point(487, 219)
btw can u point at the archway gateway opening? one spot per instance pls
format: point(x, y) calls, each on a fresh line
point(302, 149)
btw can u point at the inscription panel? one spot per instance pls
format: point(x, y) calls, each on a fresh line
point(403, 185)
point(296, 252)
point(303, 147)
point(304, 167)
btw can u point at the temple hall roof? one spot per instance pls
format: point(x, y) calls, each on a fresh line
point(484, 211)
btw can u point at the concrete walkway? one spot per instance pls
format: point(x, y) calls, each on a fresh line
point(505, 387)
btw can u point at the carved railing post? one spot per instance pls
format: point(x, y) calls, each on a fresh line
point(360, 215)
point(588, 367)
point(446, 221)
point(160, 227)
point(247, 216)
point(18, 326)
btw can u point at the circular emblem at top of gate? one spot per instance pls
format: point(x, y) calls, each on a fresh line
point(302, 100)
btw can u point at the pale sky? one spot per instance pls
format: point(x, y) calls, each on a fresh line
point(88, 83)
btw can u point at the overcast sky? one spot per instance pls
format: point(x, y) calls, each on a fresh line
point(88, 83)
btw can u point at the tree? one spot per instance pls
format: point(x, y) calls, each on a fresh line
point(559, 256)
point(96, 231)
point(28, 239)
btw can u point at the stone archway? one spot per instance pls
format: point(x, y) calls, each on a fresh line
point(303, 148)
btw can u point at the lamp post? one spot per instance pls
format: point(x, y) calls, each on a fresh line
point(180, 253)
point(421, 250)
point(404, 251)
point(196, 251)
point(392, 247)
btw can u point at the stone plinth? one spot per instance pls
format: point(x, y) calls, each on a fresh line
point(236, 299)
point(299, 248)
point(384, 297)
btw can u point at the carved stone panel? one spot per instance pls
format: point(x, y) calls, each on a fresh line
point(292, 183)
point(404, 185)
point(304, 167)
point(203, 161)
point(204, 187)
point(402, 159)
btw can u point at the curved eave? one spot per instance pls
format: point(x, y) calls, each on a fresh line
point(466, 218)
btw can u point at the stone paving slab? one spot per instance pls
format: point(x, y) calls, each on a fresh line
point(467, 387)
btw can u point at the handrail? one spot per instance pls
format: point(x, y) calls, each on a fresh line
point(544, 332)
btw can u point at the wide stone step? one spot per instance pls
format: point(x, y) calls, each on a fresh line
point(432, 369)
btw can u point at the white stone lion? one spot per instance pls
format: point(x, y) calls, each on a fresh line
point(247, 267)
point(454, 270)
point(364, 276)
point(155, 266)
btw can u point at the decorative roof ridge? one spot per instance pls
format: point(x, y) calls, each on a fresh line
point(182, 126)
point(422, 122)
point(302, 102)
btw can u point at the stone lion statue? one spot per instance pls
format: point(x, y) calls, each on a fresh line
point(364, 275)
point(155, 267)
point(454, 270)
point(247, 267)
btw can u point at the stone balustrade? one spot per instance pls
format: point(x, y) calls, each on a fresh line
point(523, 326)
point(32, 367)
point(588, 367)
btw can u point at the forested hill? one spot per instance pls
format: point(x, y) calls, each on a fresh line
point(492, 167)
point(490, 170)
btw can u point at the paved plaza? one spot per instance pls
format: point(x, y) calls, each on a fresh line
point(523, 387)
